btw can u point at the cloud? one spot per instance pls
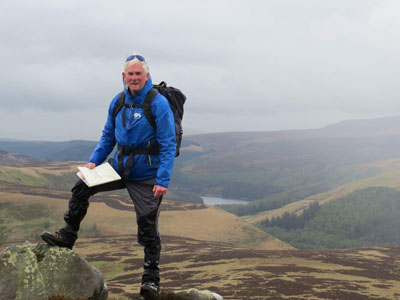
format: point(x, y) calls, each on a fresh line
point(259, 65)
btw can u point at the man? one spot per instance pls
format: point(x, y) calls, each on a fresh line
point(144, 159)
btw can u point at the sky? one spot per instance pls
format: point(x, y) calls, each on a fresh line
point(253, 65)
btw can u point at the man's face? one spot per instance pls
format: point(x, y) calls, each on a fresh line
point(135, 77)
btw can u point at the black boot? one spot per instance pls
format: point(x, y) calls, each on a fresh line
point(65, 237)
point(151, 275)
point(149, 291)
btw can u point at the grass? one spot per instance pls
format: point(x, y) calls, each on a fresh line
point(214, 224)
point(55, 175)
point(111, 270)
point(19, 177)
point(27, 216)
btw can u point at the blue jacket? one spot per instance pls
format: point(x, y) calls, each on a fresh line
point(137, 133)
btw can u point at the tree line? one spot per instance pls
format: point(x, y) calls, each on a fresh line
point(290, 221)
point(370, 216)
point(254, 207)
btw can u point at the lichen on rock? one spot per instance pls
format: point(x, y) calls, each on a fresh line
point(38, 272)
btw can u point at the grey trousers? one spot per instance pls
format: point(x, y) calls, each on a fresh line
point(147, 210)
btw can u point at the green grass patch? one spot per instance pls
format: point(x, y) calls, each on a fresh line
point(18, 177)
point(90, 230)
point(110, 269)
point(24, 221)
point(23, 212)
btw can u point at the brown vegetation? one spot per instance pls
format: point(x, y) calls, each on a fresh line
point(238, 273)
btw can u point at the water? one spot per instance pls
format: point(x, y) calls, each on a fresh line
point(217, 200)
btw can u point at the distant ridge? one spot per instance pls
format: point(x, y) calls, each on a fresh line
point(6, 157)
point(8, 140)
point(76, 150)
point(190, 131)
point(377, 123)
point(196, 144)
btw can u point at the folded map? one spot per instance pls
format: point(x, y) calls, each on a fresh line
point(101, 174)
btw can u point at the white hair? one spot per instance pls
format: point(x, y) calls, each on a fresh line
point(136, 61)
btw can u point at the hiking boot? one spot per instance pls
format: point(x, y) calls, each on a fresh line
point(59, 238)
point(149, 291)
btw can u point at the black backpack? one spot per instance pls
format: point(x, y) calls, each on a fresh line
point(176, 100)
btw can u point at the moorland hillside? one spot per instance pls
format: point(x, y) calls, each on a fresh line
point(279, 172)
point(359, 213)
point(207, 247)
point(30, 203)
point(301, 163)
point(255, 165)
point(389, 172)
point(247, 274)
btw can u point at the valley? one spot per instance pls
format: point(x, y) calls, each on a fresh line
point(203, 247)
point(351, 243)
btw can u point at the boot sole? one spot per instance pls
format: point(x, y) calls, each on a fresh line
point(49, 239)
point(148, 295)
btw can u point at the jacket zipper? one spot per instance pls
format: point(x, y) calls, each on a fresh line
point(148, 145)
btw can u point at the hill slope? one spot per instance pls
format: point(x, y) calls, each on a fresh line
point(255, 165)
point(54, 151)
point(7, 157)
point(27, 210)
point(370, 216)
point(389, 172)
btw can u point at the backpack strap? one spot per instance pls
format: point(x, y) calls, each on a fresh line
point(120, 103)
point(147, 107)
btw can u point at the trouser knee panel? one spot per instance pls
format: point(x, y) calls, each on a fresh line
point(148, 234)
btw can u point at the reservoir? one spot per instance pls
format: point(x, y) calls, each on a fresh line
point(217, 201)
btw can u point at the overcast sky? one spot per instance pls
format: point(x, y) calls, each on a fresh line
point(244, 65)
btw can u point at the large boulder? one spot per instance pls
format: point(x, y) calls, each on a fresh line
point(38, 272)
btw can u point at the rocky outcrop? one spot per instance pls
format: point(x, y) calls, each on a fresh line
point(193, 294)
point(38, 272)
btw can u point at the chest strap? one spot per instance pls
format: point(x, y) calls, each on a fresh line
point(153, 149)
point(146, 106)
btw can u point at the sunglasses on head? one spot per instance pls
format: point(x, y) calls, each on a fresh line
point(139, 57)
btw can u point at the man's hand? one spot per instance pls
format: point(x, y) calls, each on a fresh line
point(159, 191)
point(90, 165)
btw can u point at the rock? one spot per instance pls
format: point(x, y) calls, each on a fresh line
point(193, 294)
point(190, 294)
point(38, 272)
